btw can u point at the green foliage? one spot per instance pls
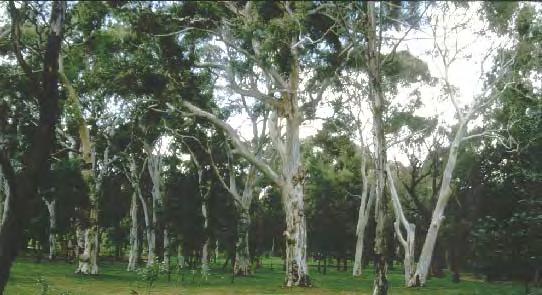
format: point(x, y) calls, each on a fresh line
point(149, 275)
point(513, 242)
point(333, 164)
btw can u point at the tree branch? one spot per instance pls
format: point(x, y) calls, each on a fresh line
point(240, 147)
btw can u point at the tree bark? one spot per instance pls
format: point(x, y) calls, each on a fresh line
point(205, 247)
point(242, 254)
point(134, 237)
point(378, 107)
point(364, 209)
point(134, 178)
point(363, 219)
point(410, 228)
point(4, 204)
point(154, 165)
point(51, 208)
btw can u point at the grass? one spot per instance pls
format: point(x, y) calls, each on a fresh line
point(58, 277)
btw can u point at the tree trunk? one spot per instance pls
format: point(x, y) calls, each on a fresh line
point(242, 252)
point(424, 261)
point(400, 219)
point(242, 255)
point(93, 180)
point(150, 235)
point(216, 252)
point(51, 207)
point(293, 177)
point(88, 242)
point(166, 257)
point(4, 204)
point(134, 237)
point(205, 248)
point(149, 231)
point(378, 110)
point(363, 219)
point(297, 272)
point(154, 167)
point(24, 185)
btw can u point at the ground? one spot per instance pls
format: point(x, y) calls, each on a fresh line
point(28, 277)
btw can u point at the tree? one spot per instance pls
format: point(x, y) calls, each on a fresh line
point(23, 185)
point(281, 69)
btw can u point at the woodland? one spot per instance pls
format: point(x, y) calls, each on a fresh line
point(270, 147)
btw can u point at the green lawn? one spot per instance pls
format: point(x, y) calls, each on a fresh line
point(58, 277)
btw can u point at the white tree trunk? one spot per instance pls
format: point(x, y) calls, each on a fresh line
point(205, 248)
point(134, 238)
point(243, 203)
point(150, 234)
point(154, 167)
point(51, 207)
point(80, 246)
point(180, 256)
point(297, 271)
point(216, 250)
point(364, 207)
point(445, 191)
point(151, 244)
point(363, 219)
point(400, 219)
point(88, 241)
point(87, 259)
point(242, 253)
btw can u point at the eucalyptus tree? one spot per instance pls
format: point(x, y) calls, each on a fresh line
point(365, 27)
point(448, 55)
point(41, 92)
point(88, 112)
point(277, 43)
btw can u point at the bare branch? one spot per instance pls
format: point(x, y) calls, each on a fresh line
point(240, 147)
